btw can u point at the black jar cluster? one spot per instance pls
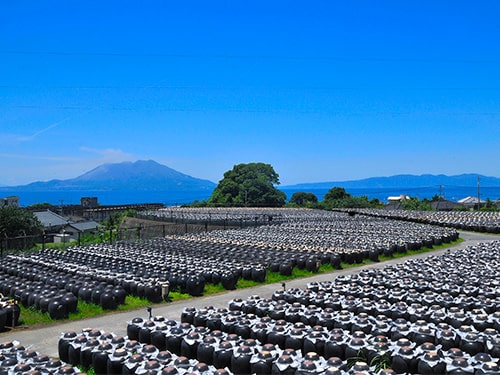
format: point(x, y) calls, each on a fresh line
point(194, 350)
point(107, 353)
point(9, 312)
point(478, 221)
point(20, 360)
point(53, 281)
point(438, 315)
point(53, 288)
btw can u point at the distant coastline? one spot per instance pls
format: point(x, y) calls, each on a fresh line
point(146, 181)
point(173, 198)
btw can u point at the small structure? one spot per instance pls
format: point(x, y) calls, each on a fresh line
point(393, 205)
point(51, 221)
point(62, 229)
point(62, 238)
point(398, 198)
point(89, 202)
point(11, 201)
point(75, 230)
point(445, 205)
point(470, 202)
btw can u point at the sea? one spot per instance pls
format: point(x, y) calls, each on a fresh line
point(176, 198)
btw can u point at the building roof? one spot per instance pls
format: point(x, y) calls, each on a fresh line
point(469, 200)
point(85, 226)
point(396, 198)
point(393, 205)
point(50, 219)
point(443, 205)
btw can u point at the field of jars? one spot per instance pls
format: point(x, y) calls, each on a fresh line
point(437, 315)
point(464, 220)
point(53, 281)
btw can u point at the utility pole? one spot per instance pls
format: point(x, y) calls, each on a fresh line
point(478, 193)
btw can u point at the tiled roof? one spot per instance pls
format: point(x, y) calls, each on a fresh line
point(85, 226)
point(49, 218)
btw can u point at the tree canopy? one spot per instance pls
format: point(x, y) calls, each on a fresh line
point(336, 193)
point(303, 199)
point(250, 185)
point(338, 197)
point(16, 222)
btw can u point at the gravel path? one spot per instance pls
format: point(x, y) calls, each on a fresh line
point(44, 340)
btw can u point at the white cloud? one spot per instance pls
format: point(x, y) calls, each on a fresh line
point(17, 138)
point(108, 155)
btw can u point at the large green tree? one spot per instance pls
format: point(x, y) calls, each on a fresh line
point(251, 184)
point(16, 222)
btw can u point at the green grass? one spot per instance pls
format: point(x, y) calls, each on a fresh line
point(89, 371)
point(419, 251)
point(276, 277)
point(178, 296)
point(31, 317)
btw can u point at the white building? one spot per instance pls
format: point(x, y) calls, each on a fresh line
point(470, 201)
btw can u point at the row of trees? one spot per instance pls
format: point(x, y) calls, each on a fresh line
point(336, 197)
point(254, 185)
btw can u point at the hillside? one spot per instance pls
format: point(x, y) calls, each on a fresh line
point(405, 180)
point(140, 175)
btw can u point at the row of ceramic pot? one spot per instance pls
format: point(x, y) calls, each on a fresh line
point(470, 220)
point(479, 221)
point(201, 351)
point(16, 359)
point(300, 326)
point(61, 300)
point(9, 312)
point(106, 353)
point(336, 232)
point(189, 263)
point(450, 351)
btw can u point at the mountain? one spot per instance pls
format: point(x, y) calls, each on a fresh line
point(404, 180)
point(141, 175)
point(149, 175)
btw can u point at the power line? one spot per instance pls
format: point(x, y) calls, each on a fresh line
point(248, 57)
point(175, 87)
point(235, 110)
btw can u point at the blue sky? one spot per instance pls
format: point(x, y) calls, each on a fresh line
point(321, 90)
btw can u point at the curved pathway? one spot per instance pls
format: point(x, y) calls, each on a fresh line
point(44, 340)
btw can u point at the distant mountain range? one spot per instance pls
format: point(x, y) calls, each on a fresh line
point(405, 180)
point(151, 176)
point(141, 175)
